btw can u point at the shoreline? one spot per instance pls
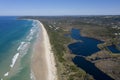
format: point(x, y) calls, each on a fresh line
point(43, 62)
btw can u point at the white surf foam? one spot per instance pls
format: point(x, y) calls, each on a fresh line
point(24, 46)
point(14, 60)
point(30, 36)
point(34, 23)
point(32, 76)
point(21, 45)
point(32, 30)
point(6, 74)
point(24, 49)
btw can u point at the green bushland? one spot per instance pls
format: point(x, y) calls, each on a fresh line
point(66, 69)
point(98, 27)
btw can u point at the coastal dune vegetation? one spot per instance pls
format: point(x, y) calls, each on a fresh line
point(97, 27)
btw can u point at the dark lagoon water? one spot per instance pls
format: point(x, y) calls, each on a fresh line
point(90, 68)
point(86, 47)
point(113, 49)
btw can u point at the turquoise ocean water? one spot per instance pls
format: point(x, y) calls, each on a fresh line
point(17, 38)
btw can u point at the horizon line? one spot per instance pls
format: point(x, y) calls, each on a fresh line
point(69, 15)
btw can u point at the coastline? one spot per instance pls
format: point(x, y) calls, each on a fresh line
point(43, 62)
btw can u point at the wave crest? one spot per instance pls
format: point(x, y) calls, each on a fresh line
point(14, 60)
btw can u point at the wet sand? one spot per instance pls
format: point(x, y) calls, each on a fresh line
point(43, 62)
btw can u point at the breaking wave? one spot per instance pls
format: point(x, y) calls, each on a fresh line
point(14, 60)
point(24, 46)
point(6, 74)
point(21, 45)
point(32, 76)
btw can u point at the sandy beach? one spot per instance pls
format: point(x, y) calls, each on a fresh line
point(43, 62)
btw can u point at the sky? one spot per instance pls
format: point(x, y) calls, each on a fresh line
point(59, 7)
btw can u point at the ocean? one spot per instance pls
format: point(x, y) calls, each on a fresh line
point(17, 38)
